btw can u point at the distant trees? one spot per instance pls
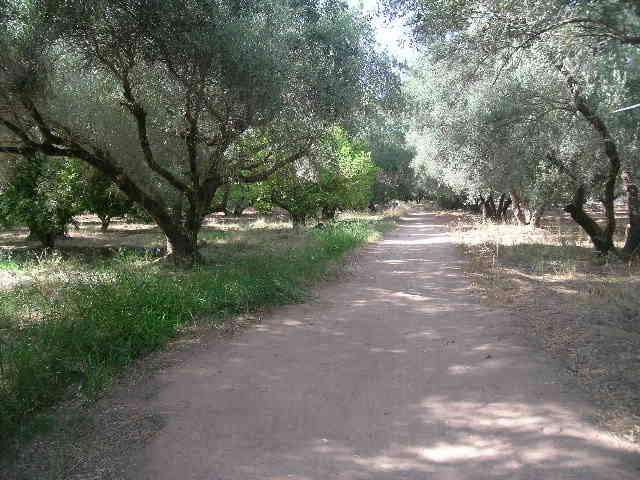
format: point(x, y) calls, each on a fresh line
point(173, 100)
point(339, 175)
point(102, 197)
point(530, 111)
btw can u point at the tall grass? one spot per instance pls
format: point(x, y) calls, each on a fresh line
point(87, 329)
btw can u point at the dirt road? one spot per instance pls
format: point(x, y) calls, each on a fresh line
point(395, 373)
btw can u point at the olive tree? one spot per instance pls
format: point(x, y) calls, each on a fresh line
point(172, 100)
point(339, 175)
point(589, 49)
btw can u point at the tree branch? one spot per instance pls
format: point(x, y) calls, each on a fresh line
point(140, 116)
point(258, 177)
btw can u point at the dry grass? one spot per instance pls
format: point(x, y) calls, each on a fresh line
point(584, 308)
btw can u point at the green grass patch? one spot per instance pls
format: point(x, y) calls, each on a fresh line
point(106, 312)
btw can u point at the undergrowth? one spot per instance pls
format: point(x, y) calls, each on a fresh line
point(74, 334)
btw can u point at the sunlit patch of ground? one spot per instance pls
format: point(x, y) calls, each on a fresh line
point(585, 309)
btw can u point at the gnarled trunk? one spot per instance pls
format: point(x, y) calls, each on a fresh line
point(517, 208)
point(328, 213)
point(182, 246)
point(536, 216)
point(602, 239)
point(632, 240)
point(105, 221)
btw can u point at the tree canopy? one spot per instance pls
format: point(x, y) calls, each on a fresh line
point(520, 97)
point(172, 100)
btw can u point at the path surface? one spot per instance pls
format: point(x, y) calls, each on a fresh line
point(396, 373)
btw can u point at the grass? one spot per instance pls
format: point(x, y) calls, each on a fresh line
point(83, 320)
point(582, 307)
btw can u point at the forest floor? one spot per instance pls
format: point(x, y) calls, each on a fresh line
point(73, 320)
point(397, 371)
point(583, 309)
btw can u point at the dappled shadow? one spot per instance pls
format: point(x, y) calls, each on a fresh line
point(398, 373)
point(584, 310)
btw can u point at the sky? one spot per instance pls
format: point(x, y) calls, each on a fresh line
point(392, 36)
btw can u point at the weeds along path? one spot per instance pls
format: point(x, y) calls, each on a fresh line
point(396, 373)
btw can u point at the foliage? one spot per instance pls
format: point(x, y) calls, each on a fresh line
point(234, 199)
point(122, 308)
point(386, 139)
point(296, 194)
point(531, 112)
point(172, 100)
point(42, 194)
point(102, 197)
point(341, 177)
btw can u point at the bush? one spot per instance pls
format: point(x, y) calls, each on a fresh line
point(44, 195)
point(102, 197)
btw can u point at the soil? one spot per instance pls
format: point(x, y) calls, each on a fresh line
point(397, 372)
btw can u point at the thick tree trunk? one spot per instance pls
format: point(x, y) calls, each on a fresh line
point(602, 239)
point(632, 240)
point(182, 246)
point(517, 208)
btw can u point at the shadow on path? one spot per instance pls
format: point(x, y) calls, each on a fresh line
point(398, 373)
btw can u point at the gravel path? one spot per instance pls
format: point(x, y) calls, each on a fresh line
point(396, 373)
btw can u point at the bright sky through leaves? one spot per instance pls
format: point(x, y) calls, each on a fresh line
point(391, 36)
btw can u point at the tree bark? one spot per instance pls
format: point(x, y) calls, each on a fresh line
point(483, 209)
point(536, 217)
point(632, 236)
point(601, 239)
point(500, 213)
point(182, 248)
point(105, 221)
point(328, 213)
point(517, 208)
point(298, 222)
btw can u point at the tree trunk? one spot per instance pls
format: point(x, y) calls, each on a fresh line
point(491, 208)
point(632, 237)
point(484, 209)
point(500, 212)
point(182, 247)
point(517, 209)
point(298, 222)
point(602, 241)
point(105, 221)
point(536, 217)
point(328, 213)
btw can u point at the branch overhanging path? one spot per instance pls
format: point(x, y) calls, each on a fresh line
point(397, 372)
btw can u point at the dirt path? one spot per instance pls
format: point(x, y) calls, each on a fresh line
point(397, 373)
